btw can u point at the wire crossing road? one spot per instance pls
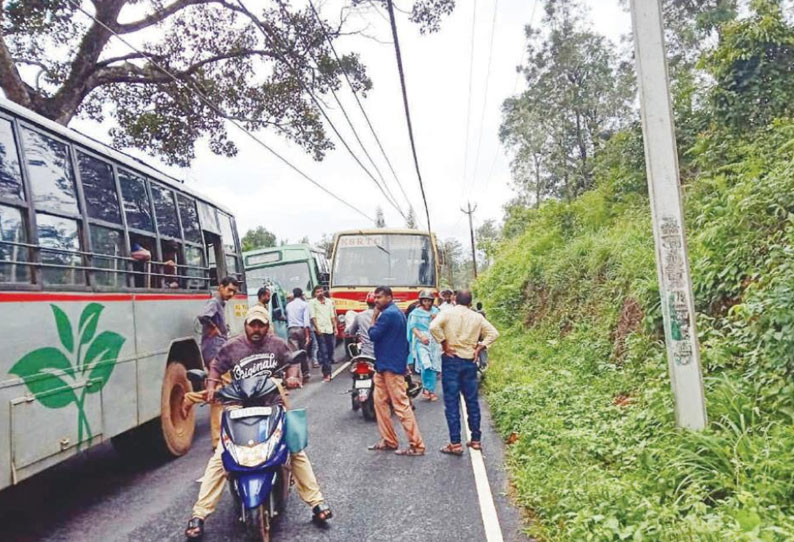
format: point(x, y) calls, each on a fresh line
point(375, 496)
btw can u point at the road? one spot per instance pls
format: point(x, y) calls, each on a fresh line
point(375, 496)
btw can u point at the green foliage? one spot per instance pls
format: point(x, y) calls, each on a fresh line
point(52, 374)
point(581, 378)
point(260, 237)
point(754, 68)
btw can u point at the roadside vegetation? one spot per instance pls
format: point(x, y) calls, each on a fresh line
point(579, 385)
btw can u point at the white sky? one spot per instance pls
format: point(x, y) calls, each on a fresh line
point(262, 191)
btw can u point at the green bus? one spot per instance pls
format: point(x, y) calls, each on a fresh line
point(289, 266)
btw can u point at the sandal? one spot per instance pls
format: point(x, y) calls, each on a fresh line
point(411, 452)
point(381, 447)
point(452, 449)
point(475, 445)
point(433, 397)
point(322, 512)
point(195, 529)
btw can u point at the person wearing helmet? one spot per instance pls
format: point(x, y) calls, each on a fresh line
point(426, 351)
point(359, 326)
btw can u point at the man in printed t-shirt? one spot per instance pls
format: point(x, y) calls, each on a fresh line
point(255, 353)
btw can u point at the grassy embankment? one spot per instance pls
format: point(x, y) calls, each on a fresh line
point(579, 379)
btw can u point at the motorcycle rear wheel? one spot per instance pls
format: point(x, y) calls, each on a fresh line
point(257, 524)
point(368, 409)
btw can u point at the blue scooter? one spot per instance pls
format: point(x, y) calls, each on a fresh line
point(255, 452)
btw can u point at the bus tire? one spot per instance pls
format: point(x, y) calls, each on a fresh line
point(176, 429)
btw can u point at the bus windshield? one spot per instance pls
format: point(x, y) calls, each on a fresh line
point(384, 259)
point(288, 275)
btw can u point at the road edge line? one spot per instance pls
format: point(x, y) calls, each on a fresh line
point(344, 366)
point(490, 518)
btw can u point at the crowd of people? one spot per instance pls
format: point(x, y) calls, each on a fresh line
point(438, 341)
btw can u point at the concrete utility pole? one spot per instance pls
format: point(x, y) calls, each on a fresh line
point(470, 212)
point(672, 261)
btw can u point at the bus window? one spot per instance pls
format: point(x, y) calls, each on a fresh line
point(10, 172)
point(227, 232)
point(99, 188)
point(208, 216)
point(189, 216)
point(108, 242)
point(215, 258)
point(12, 237)
point(136, 201)
point(51, 175)
point(165, 211)
point(59, 239)
point(142, 250)
point(172, 259)
point(194, 260)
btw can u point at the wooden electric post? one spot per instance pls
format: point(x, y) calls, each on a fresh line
point(470, 212)
point(672, 261)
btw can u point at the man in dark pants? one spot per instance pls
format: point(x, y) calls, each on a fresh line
point(323, 318)
point(299, 327)
point(214, 334)
point(459, 330)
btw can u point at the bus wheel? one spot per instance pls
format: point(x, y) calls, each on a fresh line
point(177, 429)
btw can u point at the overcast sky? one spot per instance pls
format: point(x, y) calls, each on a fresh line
point(262, 191)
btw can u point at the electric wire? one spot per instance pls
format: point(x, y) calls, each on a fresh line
point(468, 106)
point(401, 71)
point(485, 97)
point(219, 112)
point(272, 39)
point(358, 101)
point(339, 102)
point(515, 88)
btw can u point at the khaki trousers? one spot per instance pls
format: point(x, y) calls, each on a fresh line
point(216, 411)
point(390, 389)
point(215, 478)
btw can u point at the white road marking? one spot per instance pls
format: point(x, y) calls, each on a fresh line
point(490, 519)
point(344, 366)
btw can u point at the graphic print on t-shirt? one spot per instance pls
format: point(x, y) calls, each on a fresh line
point(262, 364)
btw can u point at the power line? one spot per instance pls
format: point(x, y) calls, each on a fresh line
point(358, 101)
point(272, 39)
point(485, 97)
point(219, 112)
point(468, 107)
point(393, 22)
point(515, 86)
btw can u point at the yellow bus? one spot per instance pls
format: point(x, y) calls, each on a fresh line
point(408, 261)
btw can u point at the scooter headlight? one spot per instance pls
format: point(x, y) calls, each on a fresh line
point(256, 454)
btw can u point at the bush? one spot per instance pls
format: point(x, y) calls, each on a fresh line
point(580, 374)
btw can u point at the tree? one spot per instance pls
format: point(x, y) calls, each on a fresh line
point(579, 92)
point(258, 238)
point(753, 69)
point(380, 220)
point(260, 69)
point(456, 272)
point(326, 244)
point(487, 236)
point(410, 222)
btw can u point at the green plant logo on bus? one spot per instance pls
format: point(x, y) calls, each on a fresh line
point(83, 356)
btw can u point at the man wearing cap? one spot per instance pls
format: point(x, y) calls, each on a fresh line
point(255, 353)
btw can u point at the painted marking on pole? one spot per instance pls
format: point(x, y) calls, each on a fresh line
point(490, 519)
point(344, 366)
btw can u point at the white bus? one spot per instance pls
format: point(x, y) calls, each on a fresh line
point(104, 265)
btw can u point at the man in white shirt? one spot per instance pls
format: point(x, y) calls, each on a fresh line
point(299, 327)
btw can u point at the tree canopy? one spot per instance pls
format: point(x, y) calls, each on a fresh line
point(260, 237)
point(261, 67)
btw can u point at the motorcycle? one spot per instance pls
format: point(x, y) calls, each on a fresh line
point(362, 369)
point(255, 453)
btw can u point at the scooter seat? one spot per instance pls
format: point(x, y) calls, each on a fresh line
point(363, 358)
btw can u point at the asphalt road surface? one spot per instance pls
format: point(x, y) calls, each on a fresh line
point(375, 496)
